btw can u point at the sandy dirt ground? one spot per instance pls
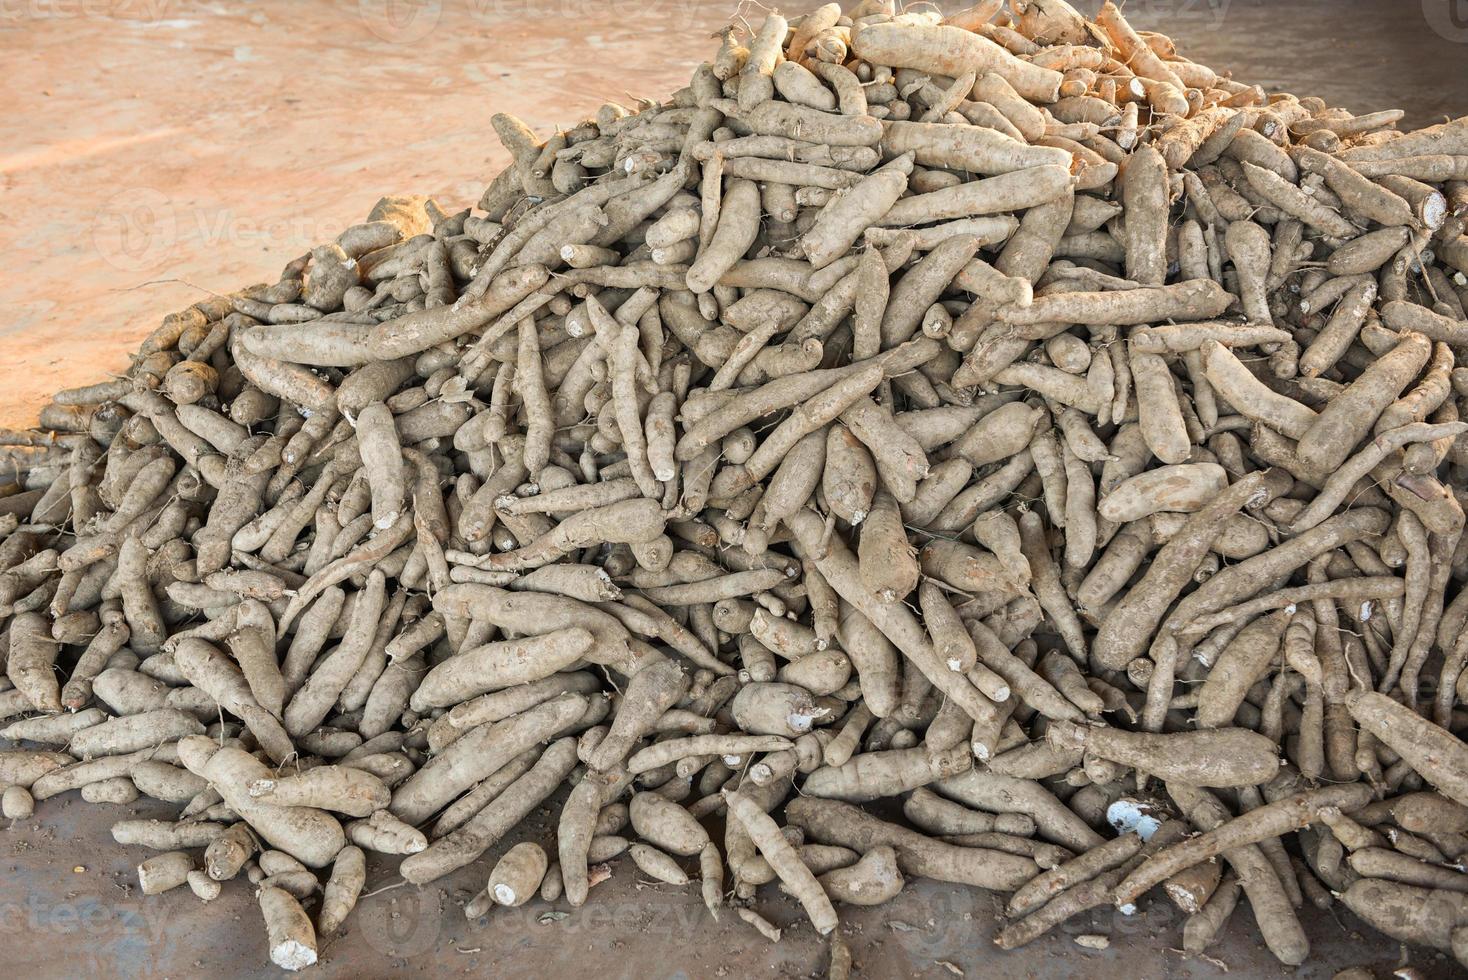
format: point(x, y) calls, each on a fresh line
point(152, 151)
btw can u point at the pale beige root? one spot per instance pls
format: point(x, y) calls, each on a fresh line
point(1269, 902)
point(17, 803)
point(756, 83)
point(774, 708)
point(623, 362)
point(666, 825)
point(577, 826)
point(517, 874)
point(1353, 412)
point(342, 789)
point(875, 657)
point(500, 705)
point(1206, 923)
point(1017, 676)
point(32, 654)
point(485, 791)
point(382, 462)
point(479, 753)
point(463, 845)
point(1425, 811)
point(1409, 913)
point(214, 674)
point(842, 221)
point(1045, 581)
point(418, 331)
point(738, 225)
point(1238, 666)
point(872, 880)
point(1385, 863)
point(1144, 195)
point(1439, 757)
point(348, 876)
point(310, 705)
point(1087, 894)
point(670, 750)
point(745, 864)
point(252, 645)
point(1260, 824)
point(938, 816)
point(650, 692)
point(288, 929)
point(53, 729)
point(761, 925)
point(888, 567)
point(1007, 794)
point(1183, 487)
point(386, 834)
point(975, 149)
point(773, 118)
point(118, 789)
point(1344, 480)
point(895, 622)
point(1013, 191)
point(629, 521)
point(872, 775)
point(311, 835)
point(1158, 408)
point(788, 392)
point(919, 287)
point(1084, 867)
point(1216, 757)
point(711, 878)
point(225, 856)
point(160, 835)
point(119, 736)
point(833, 822)
point(161, 872)
point(950, 639)
point(765, 834)
point(501, 664)
point(946, 50)
point(1126, 631)
point(204, 887)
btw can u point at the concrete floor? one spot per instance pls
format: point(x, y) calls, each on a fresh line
point(71, 908)
point(153, 150)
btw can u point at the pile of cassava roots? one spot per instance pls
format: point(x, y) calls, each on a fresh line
point(1000, 418)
